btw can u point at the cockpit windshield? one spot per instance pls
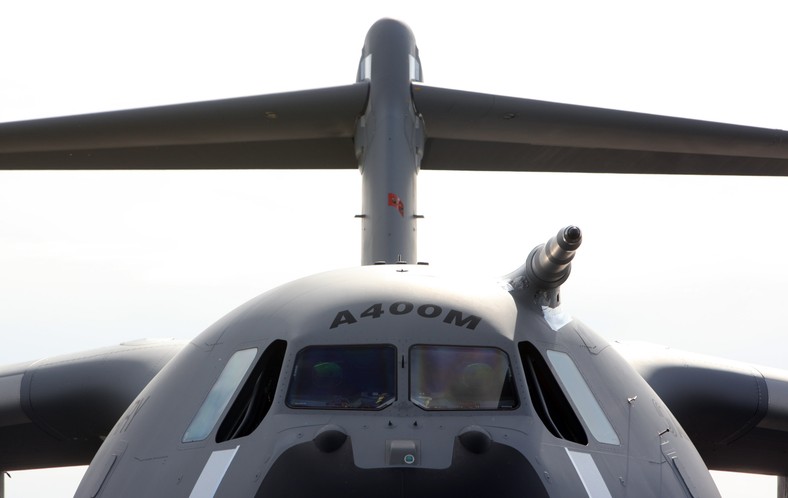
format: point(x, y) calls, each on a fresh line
point(344, 378)
point(461, 378)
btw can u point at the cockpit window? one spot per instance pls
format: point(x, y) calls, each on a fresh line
point(256, 396)
point(461, 378)
point(344, 378)
point(577, 388)
point(219, 395)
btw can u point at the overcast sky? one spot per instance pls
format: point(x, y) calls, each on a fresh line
point(93, 259)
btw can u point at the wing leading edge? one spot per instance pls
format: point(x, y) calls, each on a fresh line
point(736, 414)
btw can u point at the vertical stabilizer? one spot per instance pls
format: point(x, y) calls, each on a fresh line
point(389, 144)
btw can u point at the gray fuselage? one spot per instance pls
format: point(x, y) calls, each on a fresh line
point(535, 432)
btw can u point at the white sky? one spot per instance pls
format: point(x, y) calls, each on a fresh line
point(93, 259)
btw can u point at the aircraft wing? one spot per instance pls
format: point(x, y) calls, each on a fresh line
point(314, 129)
point(475, 131)
point(736, 414)
point(310, 129)
point(56, 412)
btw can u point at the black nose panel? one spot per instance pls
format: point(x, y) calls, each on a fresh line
point(306, 471)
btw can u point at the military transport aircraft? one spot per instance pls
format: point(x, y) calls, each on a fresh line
point(400, 391)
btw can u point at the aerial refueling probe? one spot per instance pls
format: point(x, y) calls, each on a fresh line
point(548, 265)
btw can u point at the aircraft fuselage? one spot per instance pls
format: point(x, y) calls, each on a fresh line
point(400, 402)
